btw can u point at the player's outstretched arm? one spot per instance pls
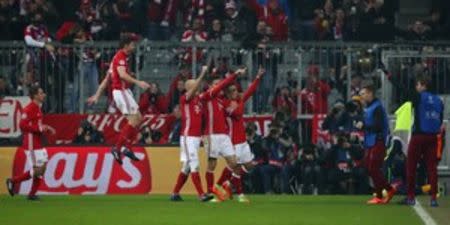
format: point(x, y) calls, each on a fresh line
point(94, 98)
point(190, 93)
point(213, 91)
point(252, 88)
point(127, 77)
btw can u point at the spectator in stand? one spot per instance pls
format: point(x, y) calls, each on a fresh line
point(345, 158)
point(148, 136)
point(123, 10)
point(377, 18)
point(47, 9)
point(162, 19)
point(4, 88)
point(274, 17)
point(257, 39)
point(152, 101)
point(237, 23)
point(278, 148)
point(310, 169)
point(333, 121)
point(195, 33)
point(284, 4)
point(304, 21)
point(355, 85)
point(89, 19)
point(175, 88)
point(260, 157)
point(175, 97)
point(88, 66)
point(314, 96)
point(195, 10)
point(6, 12)
point(324, 18)
point(36, 34)
point(174, 136)
point(284, 102)
point(292, 82)
point(88, 134)
point(109, 22)
point(216, 32)
point(36, 37)
point(416, 32)
point(340, 29)
point(436, 24)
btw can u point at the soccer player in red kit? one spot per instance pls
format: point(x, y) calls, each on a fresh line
point(121, 80)
point(235, 105)
point(217, 132)
point(191, 127)
point(32, 131)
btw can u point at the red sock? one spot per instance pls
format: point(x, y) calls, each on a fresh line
point(197, 183)
point(209, 180)
point(226, 175)
point(123, 136)
point(132, 134)
point(34, 186)
point(237, 183)
point(182, 178)
point(22, 177)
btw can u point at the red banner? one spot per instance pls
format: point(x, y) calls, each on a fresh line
point(67, 125)
point(10, 113)
point(88, 170)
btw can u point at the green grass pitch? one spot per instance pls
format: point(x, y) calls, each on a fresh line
point(156, 209)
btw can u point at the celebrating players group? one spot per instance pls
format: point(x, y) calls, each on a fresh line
point(214, 116)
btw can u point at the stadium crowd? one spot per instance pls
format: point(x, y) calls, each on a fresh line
point(229, 20)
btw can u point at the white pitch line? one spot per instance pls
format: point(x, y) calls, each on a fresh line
point(422, 213)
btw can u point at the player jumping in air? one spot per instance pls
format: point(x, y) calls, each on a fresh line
point(121, 80)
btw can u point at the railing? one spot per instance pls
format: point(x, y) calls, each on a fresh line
point(73, 72)
point(69, 77)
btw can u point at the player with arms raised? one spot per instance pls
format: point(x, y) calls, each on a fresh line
point(234, 106)
point(191, 127)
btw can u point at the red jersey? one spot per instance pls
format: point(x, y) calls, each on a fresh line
point(152, 103)
point(235, 117)
point(315, 101)
point(215, 109)
point(277, 21)
point(119, 59)
point(191, 116)
point(31, 126)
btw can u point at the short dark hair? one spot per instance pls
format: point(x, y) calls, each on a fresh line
point(370, 87)
point(126, 40)
point(34, 90)
point(424, 80)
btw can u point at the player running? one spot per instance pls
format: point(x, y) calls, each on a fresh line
point(376, 132)
point(32, 131)
point(191, 125)
point(235, 105)
point(121, 80)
